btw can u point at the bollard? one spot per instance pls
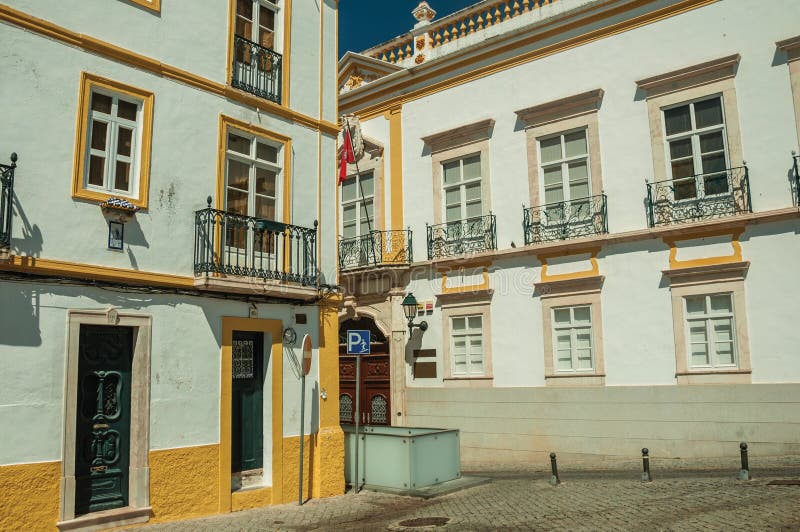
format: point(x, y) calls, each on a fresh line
point(744, 474)
point(554, 481)
point(646, 466)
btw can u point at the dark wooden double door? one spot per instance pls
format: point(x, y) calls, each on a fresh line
point(375, 403)
point(103, 420)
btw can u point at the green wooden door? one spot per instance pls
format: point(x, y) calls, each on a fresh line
point(248, 401)
point(102, 447)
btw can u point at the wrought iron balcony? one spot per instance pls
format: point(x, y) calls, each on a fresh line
point(699, 197)
point(472, 235)
point(564, 220)
point(256, 69)
point(796, 163)
point(244, 246)
point(375, 248)
point(6, 200)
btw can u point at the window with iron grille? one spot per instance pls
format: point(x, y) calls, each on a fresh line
point(461, 183)
point(564, 167)
point(696, 144)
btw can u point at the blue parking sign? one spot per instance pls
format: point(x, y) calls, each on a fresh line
point(358, 342)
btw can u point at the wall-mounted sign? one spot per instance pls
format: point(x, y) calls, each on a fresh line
point(116, 235)
point(306, 354)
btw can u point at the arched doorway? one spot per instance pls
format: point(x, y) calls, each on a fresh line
point(375, 402)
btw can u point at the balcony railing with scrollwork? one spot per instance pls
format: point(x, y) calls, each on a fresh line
point(6, 200)
point(699, 197)
point(245, 246)
point(472, 235)
point(564, 220)
point(796, 168)
point(376, 248)
point(256, 69)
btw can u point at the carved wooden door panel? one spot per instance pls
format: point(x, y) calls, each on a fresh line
point(102, 447)
point(375, 407)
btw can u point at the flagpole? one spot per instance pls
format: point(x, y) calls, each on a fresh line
point(361, 190)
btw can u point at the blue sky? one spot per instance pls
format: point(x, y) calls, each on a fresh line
point(364, 23)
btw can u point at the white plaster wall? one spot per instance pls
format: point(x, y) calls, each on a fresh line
point(639, 344)
point(517, 348)
point(330, 53)
point(189, 35)
point(41, 92)
point(305, 67)
point(378, 129)
point(185, 364)
point(638, 338)
point(614, 64)
point(772, 292)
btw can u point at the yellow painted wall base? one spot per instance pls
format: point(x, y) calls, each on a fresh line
point(248, 499)
point(184, 482)
point(329, 463)
point(291, 453)
point(29, 496)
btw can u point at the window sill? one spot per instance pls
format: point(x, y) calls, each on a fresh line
point(468, 381)
point(575, 379)
point(95, 196)
point(107, 519)
point(735, 376)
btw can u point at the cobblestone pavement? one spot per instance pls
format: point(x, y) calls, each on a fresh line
point(683, 496)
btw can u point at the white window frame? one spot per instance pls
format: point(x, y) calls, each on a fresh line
point(277, 34)
point(359, 202)
point(711, 342)
point(110, 154)
point(461, 184)
point(694, 134)
point(573, 329)
point(254, 162)
point(564, 162)
point(467, 334)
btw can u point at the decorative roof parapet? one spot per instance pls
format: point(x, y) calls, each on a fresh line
point(403, 50)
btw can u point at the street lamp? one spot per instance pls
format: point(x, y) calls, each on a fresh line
point(410, 310)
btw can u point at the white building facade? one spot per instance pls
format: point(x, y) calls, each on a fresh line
point(594, 205)
point(168, 243)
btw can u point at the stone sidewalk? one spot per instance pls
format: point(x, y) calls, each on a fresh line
point(684, 495)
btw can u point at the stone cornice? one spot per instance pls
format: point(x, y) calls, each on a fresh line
point(791, 46)
point(460, 136)
point(579, 104)
point(715, 70)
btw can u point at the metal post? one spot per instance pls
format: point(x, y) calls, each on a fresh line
point(554, 480)
point(744, 474)
point(357, 416)
point(302, 430)
point(646, 466)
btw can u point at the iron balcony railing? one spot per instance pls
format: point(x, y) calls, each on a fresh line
point(564, 220)
point(233, 244)
point(699, 197)
point(6, 200)
point(256, 69)
point(376, 247)
point(472, 235)
point(796, 163)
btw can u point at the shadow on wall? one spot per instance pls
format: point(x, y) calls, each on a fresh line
point(20, 326)
point(31, 242)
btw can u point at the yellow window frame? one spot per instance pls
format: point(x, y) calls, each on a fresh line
point(87, 84)
point(285, 52)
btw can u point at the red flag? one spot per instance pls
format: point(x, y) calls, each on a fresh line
point(342, 169)
point(347, 149)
